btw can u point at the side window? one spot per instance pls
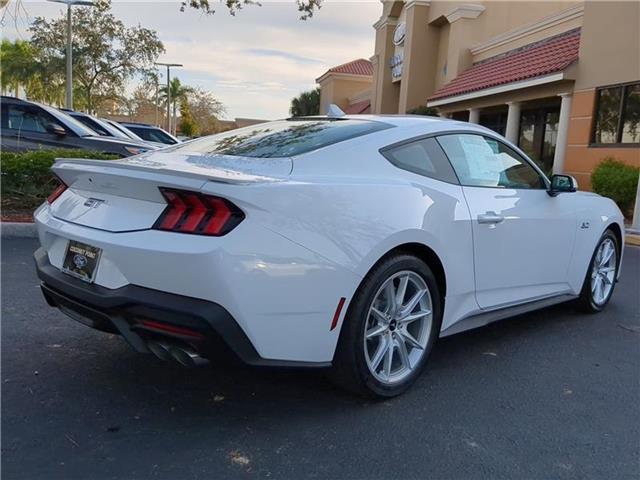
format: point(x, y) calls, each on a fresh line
point(28, 119)
point(484, 162)
point(424, 157)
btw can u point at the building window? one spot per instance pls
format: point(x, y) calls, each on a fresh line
point(617, 115)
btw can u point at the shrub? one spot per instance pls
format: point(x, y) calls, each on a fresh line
point(618, 181)
point(423, 110)
point(27, 179)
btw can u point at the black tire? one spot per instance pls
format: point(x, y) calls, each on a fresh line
point(586, 301)
point(350, 369)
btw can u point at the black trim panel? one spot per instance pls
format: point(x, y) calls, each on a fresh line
point(115, 311)
point(489, 316)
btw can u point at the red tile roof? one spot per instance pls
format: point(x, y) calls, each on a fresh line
point(358, 107)
point(355, 67)
point(537, 59)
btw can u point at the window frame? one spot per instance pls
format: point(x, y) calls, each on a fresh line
point(619, 128)
point(489, 134)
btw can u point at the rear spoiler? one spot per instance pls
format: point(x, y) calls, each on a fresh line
point(238, 170)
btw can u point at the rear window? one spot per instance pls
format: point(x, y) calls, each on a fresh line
point(284, 138)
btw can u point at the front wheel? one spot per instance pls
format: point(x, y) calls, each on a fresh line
point(389, 329)
point(601, 276)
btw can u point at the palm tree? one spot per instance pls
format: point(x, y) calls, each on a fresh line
point(307, 103)
point(178, 93)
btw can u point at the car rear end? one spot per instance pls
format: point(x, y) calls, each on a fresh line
point(176, 253)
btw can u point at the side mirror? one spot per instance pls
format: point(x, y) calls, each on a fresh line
point(56, 129)
point(562, 184)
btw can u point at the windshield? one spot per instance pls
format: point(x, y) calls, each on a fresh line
point(70, 122)
point(123, 129)
point(152, 134)
point(283, 138)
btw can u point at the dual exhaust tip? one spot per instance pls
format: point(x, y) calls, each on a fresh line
point(183, 355)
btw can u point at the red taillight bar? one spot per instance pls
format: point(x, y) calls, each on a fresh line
point(197, 213)
point(59, 190)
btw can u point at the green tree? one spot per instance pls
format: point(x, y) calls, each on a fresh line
point(18, 65)
point(188, 126)
point(306, 7)
point(307, 103)
point(178, 93)
point(106, 53)
point(206, 110)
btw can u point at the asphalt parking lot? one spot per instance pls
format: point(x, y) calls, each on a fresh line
point(553, 394)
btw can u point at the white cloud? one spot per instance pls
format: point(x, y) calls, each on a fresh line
point(256, 61)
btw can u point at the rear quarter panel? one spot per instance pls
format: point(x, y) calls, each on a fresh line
point(353, 219)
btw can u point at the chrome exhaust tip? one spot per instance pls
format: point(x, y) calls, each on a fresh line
point(160, 350)
point(187, 357)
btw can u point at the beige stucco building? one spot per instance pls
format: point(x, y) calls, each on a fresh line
point(561, 79)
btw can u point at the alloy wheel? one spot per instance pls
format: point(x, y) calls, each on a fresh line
point(398, 326)
point(603, 271)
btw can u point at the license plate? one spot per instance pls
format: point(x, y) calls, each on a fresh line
point(81, 260)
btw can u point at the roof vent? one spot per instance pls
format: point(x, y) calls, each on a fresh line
point(334, 111)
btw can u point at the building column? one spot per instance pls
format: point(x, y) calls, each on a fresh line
point(474, 115)
point(563, 129)
point(513, 122)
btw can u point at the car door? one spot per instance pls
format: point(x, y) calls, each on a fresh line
point(29, 128)
point(522, 238)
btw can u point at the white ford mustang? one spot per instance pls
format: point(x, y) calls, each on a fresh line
point(352, 242)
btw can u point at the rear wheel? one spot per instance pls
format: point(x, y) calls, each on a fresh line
point(390, 328)
point(601, 276)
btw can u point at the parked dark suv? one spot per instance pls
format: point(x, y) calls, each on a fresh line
point(32, 126)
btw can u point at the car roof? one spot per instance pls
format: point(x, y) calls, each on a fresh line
point(138, 124)
point(427, 122)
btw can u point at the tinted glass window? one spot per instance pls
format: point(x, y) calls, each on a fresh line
point(28, 119)
point(152, 135)
point(631, 115)
point(424, 157)
point(95, 126)
point(608, 115)
point(484, 162)
point(284, 138)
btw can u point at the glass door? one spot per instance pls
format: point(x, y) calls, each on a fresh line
point(538, 135)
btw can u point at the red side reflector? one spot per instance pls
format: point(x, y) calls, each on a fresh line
point(196, 213)
point(165, 327)
point(336, 315)
point(57, 192)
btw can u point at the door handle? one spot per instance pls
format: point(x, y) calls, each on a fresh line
point(490, 218)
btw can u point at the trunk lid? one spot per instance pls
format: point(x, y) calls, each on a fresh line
point(123, 195)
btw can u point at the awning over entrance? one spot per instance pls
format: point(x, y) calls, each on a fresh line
point(532, 64)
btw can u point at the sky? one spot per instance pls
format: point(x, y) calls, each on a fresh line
point(254, 62)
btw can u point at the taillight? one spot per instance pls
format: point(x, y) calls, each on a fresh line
point(57, 192)
point(191, 212)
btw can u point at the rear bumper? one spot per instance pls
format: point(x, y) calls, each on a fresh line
point(123, 310)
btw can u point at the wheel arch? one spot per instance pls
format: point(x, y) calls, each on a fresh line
point(424, 253)
point(617, 231)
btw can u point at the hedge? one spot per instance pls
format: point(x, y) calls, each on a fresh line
point(27, 179)
point(618, 181)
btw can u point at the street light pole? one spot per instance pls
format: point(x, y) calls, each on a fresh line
point(169, 65)
point(69, 80)
point(69, 85)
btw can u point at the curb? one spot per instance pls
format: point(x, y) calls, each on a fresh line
point(18, 230)
point(632, 239)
